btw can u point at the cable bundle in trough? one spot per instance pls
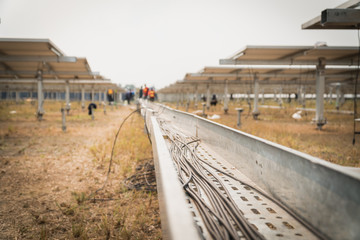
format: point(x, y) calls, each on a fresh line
point(221, 217)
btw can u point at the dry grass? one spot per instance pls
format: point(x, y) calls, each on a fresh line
point(47, 175)
point(333, 143)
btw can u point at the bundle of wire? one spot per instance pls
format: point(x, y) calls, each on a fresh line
point(220, 215)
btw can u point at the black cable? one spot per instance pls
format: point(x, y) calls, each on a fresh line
point(147, 130)
point(221, 216)
point(280, 204)
point(111, 156)
point(187, 157)
point(355, 91)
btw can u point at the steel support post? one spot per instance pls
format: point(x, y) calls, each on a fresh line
point(342, 99)
point(187, 104)
point(63, 119)
point(263, 97)
point(280, 97)
point(67, 96)
point(302, 99)
point(208, 96)
point(82, 97)
point(92, 95)
point(226, 98)
point(182, 98)
point(17, 96)
point(256, 112)
point(275, 94)
point(177, 100)
point(40, 110)
point(239, 110)
point(338, 96)
point(99, 97)
point(330, 95)
point(299, 95)
point(320, 89)
point(196, 97)
point(203, 109)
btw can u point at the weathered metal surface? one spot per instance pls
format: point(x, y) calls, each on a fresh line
point(324, 194)
point(176, 221)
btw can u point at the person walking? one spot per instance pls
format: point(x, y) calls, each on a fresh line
point(213, 101)
point(128, 96)
point(145, 91)
point(152, 94)
point(141, 92)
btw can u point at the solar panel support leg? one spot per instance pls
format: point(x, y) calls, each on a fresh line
point(196, 97)
point(208, 96)
point(256, 112)
point(67, 97)
point(320, 89)
point(338, 95)
point(40, 110)
point(226, 98)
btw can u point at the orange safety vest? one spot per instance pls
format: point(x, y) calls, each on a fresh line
point(146, 91)
point(151, 93)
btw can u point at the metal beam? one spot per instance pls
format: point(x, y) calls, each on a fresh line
point(37, 59)
point(349, 62)
point(268, 75)
point(315, 22)
point(55, 81)
point(12, 72)
point(340, 18)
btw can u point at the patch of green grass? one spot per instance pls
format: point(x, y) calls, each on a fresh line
point(44, 233)
point(79, 197)
point(79, 230)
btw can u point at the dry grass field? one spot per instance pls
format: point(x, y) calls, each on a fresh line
point(47, 175)
point(333, 143)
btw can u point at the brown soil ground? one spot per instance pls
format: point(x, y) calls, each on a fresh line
point(46, 176)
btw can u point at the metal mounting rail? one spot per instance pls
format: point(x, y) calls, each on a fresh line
point(325, 195)
point(176, 220)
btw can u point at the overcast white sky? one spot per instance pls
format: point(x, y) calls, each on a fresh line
point(158, 41)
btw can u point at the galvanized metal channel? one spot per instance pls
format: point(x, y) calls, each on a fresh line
point(272, 221)
point(323, 194)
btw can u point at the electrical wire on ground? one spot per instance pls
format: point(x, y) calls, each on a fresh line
point(111, 157)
